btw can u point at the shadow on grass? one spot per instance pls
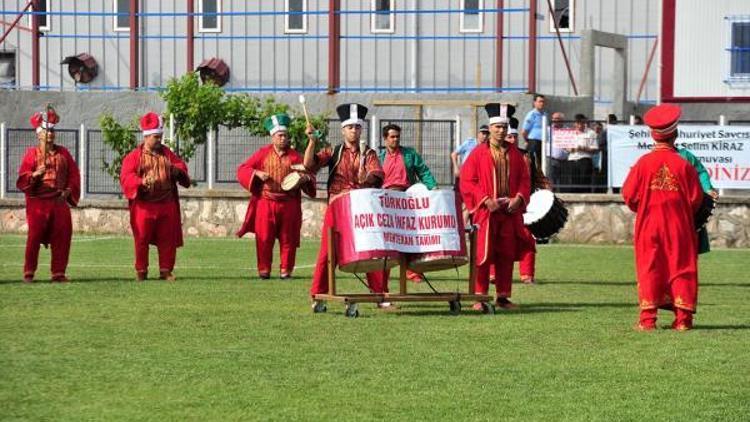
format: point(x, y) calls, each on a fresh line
point(721, 327)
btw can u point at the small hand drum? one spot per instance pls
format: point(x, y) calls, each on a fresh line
point(545, 215)
point(294, 179)
point(704, 213)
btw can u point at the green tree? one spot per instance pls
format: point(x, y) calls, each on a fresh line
point(121, 138)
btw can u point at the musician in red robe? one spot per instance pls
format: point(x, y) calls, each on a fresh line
point(351, 165)
point(51, 183)
point(273, 212)
point(149, 177)
point(527, 245)
point(665, 192)
point(495, 186)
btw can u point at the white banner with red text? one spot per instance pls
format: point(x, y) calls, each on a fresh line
point(409, 222)
point(723, 150)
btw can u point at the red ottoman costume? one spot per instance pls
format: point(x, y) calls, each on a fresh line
point(664, 190)
point(344, 167)
point(149, 178)
point(51, 182)
point(496, 172)
point(274, 213)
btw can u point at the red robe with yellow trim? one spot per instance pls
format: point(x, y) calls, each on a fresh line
point(479, 182)
point(246, 177)
point(272, 212)
point(47, 215)
point(154, 221)
point(665, 192)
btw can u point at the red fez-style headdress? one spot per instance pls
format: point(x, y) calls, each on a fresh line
point(152, 124)
point(44, 119)
point(663, 120)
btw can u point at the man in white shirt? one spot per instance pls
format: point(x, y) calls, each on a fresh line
point(580, 158)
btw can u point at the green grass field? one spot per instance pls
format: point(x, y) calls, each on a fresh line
point(220, 344)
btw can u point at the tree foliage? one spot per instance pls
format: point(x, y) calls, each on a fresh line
point(121, 138)
point(202, 107)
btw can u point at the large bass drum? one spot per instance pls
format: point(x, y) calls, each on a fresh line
point(545, 215)
point(348, 258)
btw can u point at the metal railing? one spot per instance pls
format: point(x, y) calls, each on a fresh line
point(433, 139)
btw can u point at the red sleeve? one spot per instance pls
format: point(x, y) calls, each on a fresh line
point(246, 171)
point(524, 186)
point(373, 169)
point(129, 179)
point(25, 182)
point(74, 179)
point(630, 189)
point(182, 175)
point(470, 183)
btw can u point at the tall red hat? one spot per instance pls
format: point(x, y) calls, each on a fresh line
point(44, 119)
point(663, 120)
point(152, 124)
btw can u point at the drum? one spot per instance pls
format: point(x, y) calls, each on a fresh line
point(438, 261)
point(704, 213)
point(545, 215)
point(441, 260)
point(294, 179)
point(291, 181)
point(348, 259)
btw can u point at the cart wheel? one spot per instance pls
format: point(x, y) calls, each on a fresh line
point(455, 307)
point(319, 307)
point(351, 310)
point(488, 308)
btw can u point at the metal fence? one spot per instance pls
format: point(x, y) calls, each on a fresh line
point(434, 141)
point(215, 164)
point(569, 177)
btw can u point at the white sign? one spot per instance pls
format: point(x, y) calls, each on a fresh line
point(723, 150)
point(413, 222)
point(564, 138)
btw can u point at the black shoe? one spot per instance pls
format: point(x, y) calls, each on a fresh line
point(285, 276)
point(264, 276)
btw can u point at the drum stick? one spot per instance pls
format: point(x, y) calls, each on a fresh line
point(304, 108)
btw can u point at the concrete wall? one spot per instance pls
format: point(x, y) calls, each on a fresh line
point(593, 219)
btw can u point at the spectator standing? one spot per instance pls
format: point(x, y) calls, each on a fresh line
point(558, 158)
point(532, 129)
point(581, 156)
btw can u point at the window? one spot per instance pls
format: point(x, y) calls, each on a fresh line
point(739, 51)
point(44, 20)
point(563, 16)
point(209, 19)
point(7, 69)
point(382, 19)
point(471, 17)
point(122, 18)
point(295, 21)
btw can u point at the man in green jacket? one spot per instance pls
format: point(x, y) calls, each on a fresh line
point(704, 245)
point(403, 167)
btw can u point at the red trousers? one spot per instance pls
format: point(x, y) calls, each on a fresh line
point(376, 280)
point(527, 264)
point(49, 223)
point(155, 223)
point(501, 254)
point(277, 220)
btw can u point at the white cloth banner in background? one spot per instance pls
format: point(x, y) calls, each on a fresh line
point(723, 150)
point(412, 222)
